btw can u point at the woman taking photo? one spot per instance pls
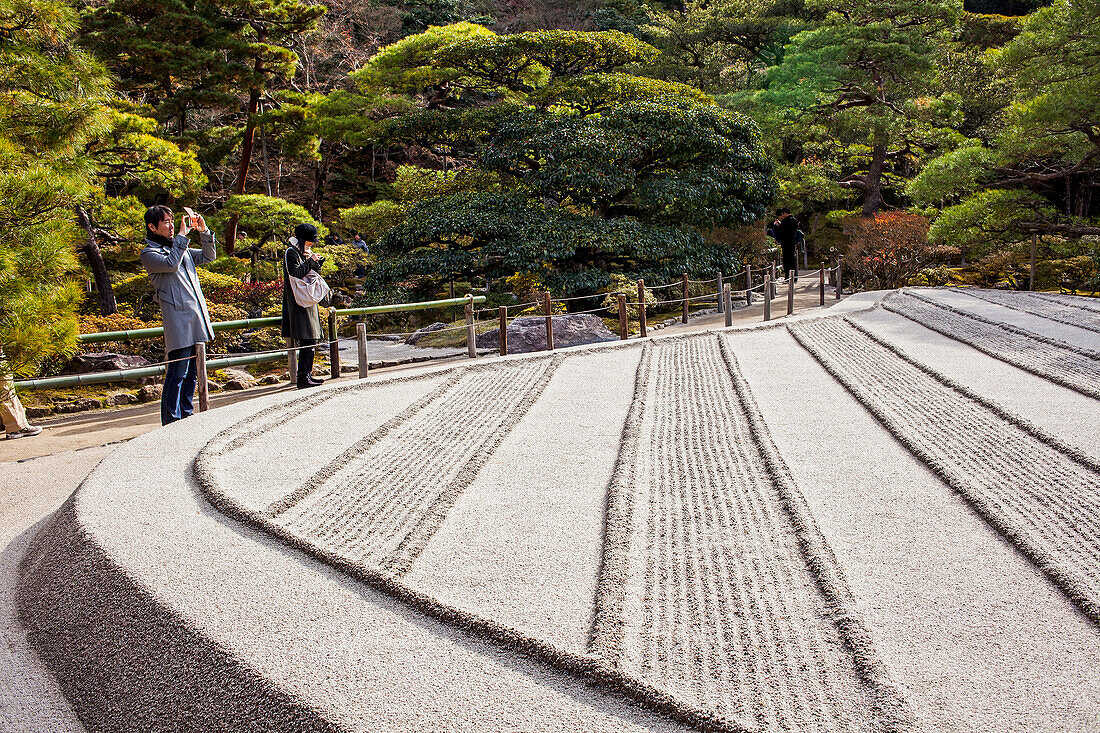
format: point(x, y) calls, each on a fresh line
point(301, 324)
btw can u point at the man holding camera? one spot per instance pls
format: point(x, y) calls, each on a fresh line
point(170, 262)
point(785, 231)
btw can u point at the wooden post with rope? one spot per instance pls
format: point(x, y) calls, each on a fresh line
point(790, 292)
point(333, 346)
point(821, 285)
point(624, 327)
point(1034, 251)
point(503, 330)
point(748, 284)
point(641, 308)
point(721, 299)
point(767, 296)
point(549, 310)
point(361, 343)
point(292, 359)
point(471, 332)
point(684, 317)
point(203, 380)
point(839, 278)
point(728, 303)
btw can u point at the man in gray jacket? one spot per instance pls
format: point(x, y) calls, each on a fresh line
point(170, 263)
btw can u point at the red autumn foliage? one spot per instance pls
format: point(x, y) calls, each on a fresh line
point(887, 249)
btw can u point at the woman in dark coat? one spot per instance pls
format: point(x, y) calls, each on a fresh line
point(301, 324)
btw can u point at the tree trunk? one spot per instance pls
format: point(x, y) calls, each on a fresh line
point(107, 303)
point(320, 178)
point(872, 194)
point(246, 152)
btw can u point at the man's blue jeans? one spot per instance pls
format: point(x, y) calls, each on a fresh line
point(176, 402)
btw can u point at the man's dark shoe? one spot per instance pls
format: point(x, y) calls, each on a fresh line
point(307, 384)
point(314, 381)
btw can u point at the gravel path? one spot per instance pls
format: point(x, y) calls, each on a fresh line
point(30, 700)
point(1061, 363)
point(1042, 307)
point(1043, 496)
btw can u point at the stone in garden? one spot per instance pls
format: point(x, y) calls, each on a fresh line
point(105, 362)
point(80, 405)
point(120, 398)
point(150, 392)
point(37, 412)
point(269, 379)
point(231, 374)
point(237, 385)
point(437, 326)
point(528, 333)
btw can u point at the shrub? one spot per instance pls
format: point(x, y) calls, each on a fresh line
point(888, 249)
point(622, 284)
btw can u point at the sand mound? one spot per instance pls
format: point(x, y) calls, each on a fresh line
point(359, 558)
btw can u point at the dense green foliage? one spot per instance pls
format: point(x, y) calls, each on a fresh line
point(568, 143)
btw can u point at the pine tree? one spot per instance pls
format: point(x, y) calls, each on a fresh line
point(52, 99)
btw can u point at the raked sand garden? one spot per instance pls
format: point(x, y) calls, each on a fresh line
point(886, 518)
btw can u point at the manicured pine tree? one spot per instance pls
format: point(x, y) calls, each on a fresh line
point(52, 100)
point(866, 72)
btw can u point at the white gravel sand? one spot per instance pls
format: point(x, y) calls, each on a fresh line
point(297, 441)
point(1064, 413)
point(465, 603)
point(211, 621)
point(523, 542)
point(958, 298)
point(976, 636)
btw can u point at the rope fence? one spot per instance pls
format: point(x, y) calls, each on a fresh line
point(723, 296)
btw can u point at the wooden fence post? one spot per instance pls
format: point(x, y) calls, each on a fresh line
point(821, 285)
point(471, 332)
point(624, 327)
point(684, 317)
point(361, 343)
point(292, 359)
point(728, 302)
point(767, 296)
point(1031, 272)
point(721, 289)
point(549, 310)
point(790, 293)
point(839, 278)
point(748, 284)
point(200, 372)
point(334, 345)
point(503, 330)
point(641, 308)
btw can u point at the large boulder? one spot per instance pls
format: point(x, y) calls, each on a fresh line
point(103, 362)
point(528, 333)
point(413, 338)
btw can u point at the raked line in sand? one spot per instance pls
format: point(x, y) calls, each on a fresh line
point(1059, 411)
point(1059, 362)
point(1027, 303)
point(957, 298)
point(1041, 494)
point(1075, 301)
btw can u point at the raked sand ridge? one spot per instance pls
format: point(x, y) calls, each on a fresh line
point(882, 521)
